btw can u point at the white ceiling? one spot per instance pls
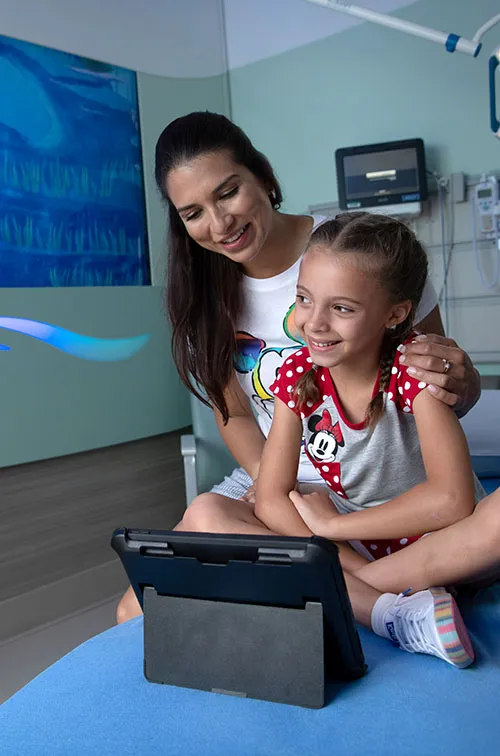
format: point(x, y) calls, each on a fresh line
point(258, 29)
point(178, 38)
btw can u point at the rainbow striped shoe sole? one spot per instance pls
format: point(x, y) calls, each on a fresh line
point(453, 637)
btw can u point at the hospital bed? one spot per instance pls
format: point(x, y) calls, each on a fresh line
point(95, 701)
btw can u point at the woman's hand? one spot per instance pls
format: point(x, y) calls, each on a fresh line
point(447, 369)
point(317, 510)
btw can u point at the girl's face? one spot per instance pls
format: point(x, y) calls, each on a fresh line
point(224, 207)
point(341, 312)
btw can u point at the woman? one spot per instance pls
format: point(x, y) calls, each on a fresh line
point(233, 267)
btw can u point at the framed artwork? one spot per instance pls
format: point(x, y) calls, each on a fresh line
point(72, 209)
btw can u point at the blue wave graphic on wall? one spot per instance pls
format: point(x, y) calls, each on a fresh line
point(84, 347)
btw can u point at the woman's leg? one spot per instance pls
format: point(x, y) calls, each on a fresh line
point(461, 553)
point(128, 607)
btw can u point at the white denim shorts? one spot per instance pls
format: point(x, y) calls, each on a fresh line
point(237, 484)
point(234, 486)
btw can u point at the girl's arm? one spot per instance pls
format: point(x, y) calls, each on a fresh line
point(242, 435)
point(444, 498)
point(278, 474)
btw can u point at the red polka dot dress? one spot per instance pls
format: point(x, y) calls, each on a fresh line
point(362, 468)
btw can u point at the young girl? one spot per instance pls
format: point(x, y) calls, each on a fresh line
point(394, 460)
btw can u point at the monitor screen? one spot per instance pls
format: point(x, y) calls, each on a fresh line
point(381, 174)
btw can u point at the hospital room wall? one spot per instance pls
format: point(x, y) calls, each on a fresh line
point(54, 404)
point(370, 84)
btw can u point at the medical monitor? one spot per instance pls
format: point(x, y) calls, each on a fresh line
point(389, 177)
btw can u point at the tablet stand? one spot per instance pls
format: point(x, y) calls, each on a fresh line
point(265, 652)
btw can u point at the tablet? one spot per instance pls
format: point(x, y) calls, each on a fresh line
point(268, 571)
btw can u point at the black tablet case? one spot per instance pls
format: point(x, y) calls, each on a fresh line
point(245, 615)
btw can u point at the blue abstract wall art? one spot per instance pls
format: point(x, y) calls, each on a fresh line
point(84, 347)
point(71, 181)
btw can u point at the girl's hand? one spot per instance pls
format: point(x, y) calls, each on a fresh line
point(317, 510)
point(250, 494)
point(459, 385)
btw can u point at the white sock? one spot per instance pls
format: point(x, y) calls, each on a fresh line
point(382, 605)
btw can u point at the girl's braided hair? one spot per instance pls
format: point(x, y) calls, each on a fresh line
point(387, 249)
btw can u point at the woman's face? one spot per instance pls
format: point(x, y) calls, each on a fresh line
point(224, 207)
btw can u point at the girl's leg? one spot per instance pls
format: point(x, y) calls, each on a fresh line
point(214, 513)
point(390, 616)
point(414, 622)
point(208, 513)
point(460, 553)
point(427, 622)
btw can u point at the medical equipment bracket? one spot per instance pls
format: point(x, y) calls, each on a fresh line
point(265, 652)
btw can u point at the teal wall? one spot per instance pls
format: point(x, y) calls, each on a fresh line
point(370, 84)
point(54, 404)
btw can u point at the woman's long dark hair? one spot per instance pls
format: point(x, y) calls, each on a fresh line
point(204, 296)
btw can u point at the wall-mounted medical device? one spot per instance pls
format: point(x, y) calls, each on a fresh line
point(389, 177)
point(486, 201)
point(485, 205)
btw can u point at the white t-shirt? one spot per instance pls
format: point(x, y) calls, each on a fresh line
point(266, 334)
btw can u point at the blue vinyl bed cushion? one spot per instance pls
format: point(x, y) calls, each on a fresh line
point(486, 466)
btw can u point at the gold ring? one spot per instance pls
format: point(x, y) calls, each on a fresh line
point(446, 365)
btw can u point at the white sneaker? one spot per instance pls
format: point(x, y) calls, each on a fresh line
point(429, 622)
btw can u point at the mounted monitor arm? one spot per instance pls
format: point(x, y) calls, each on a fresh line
point(451, 42)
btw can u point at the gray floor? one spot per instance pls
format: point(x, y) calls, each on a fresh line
point(24, 657)
point(58, 515)
point(59, 578)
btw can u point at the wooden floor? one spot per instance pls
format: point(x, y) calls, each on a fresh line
point(57, 516)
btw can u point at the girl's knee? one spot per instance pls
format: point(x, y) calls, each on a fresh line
point(200, 513)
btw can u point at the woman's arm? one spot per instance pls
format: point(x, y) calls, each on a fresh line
point(432, 323)
point(242, 435)
point(460, 386)
point(444, 498)
point(278, 474)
